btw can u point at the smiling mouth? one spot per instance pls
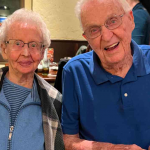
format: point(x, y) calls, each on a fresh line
point(25, 63)
point(111, 47)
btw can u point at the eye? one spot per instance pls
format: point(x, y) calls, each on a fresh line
point(112, 21)
point(18, 43)
point(33, 45)
point(94, 30)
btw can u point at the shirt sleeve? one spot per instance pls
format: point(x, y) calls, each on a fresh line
point(70, 114)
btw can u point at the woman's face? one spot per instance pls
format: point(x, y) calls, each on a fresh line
point(22, 59)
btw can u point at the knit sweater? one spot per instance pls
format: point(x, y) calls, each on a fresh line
point(51, 111)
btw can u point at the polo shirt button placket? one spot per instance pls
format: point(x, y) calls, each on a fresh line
point(125, 94)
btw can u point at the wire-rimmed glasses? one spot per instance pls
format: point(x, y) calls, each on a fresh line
point(111, 23)
point(34, 47)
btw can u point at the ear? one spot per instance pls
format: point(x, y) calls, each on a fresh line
point(4, 51)
point(84, 36)
point(131, 17)
point(42, 54)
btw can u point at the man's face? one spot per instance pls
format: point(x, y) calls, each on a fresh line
point(112, 46)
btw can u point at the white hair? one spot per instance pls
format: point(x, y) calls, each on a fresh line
point(23, 15)
point(80, 3)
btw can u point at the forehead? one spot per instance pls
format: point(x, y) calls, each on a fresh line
point(95, 12)
point(23, 30)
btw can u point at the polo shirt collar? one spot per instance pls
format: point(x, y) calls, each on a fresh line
point(140, 66)
point(97, 72)
point(140, 62)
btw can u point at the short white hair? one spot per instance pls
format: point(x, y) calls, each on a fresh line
point(80, 3)
point(23, 16)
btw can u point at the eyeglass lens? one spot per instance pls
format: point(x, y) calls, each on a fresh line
point(111, 23)
point(34, 46)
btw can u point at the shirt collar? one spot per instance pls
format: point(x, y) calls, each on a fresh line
point(140, 62)
point(140, 65)
point(97, 72)
point(138, 6)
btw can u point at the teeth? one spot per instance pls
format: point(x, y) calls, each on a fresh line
point(112, 45)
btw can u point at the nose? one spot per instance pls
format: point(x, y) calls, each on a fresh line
point(106, 34)
point(25, 50)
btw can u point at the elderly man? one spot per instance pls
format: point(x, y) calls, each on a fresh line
point(106, 92)
point(141, 33)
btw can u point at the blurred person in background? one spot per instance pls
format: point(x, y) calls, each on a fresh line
point(141, 32)
point(29, 106)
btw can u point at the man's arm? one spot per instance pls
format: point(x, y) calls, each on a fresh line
point(73, 142)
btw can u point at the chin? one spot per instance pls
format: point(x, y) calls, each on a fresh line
point(115, 61)
point(26, 71)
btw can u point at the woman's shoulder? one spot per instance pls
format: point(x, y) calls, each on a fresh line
point(54, 96)
point(51, 91)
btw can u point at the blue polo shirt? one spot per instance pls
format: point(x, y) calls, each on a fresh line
point(104, 107)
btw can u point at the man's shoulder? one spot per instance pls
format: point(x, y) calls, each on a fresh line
point(79, 59)
point(145, 49)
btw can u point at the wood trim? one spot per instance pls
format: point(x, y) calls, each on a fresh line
point(22, 3)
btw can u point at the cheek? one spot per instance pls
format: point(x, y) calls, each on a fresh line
point(37, 57)
point(95, 43)
point(127, 28)
point(126, 38)
point(96, 46)
point(13, 56)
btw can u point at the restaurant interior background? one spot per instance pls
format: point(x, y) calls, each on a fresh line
point(59, 15)
point(66, 33)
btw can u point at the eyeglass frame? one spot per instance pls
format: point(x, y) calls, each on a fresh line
point(8, 42)
point(120, 16)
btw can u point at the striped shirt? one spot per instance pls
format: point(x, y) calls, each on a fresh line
point(15, 95)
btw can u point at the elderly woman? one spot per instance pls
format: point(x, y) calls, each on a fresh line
point(29, 106)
